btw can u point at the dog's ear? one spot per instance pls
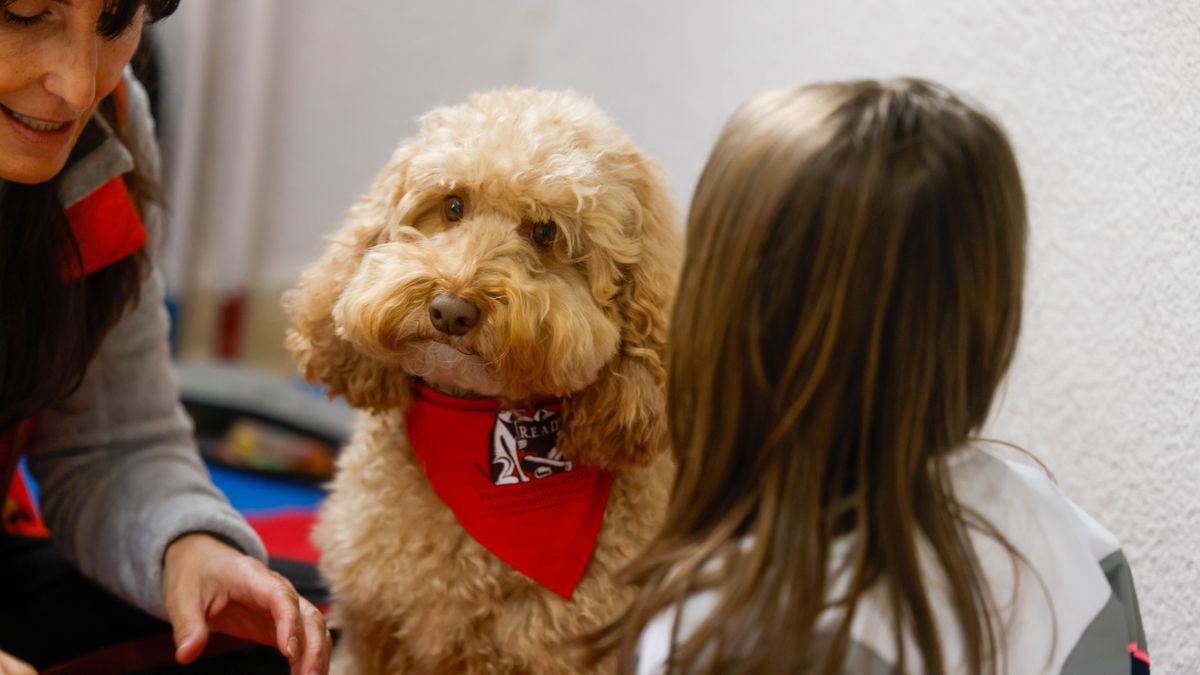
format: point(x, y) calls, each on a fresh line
point(313, 338)
point(619, 421)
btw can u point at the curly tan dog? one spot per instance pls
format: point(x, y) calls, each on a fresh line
point(519, 247)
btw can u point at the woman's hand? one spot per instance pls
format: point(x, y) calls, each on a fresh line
point(11, 665)
point(208, 585)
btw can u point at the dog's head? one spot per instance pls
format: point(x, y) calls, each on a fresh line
point(519, 245)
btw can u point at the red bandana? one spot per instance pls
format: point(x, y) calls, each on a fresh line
point(510, 488)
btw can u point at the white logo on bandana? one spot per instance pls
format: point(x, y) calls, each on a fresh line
point(525, 448)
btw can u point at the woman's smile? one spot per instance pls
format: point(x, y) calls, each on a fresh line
point(36, 130)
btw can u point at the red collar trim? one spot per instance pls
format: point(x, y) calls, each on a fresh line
point(106, 226)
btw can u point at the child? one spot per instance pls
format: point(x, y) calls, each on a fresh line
point(850, 302)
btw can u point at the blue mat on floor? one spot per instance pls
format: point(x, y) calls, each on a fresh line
point(253, 493)
point(248, 492)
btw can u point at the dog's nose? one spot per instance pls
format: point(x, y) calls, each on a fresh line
point(451, 315)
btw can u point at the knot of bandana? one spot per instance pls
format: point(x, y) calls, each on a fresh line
point(500, 472)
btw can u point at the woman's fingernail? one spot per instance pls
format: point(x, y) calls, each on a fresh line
point(293, 647)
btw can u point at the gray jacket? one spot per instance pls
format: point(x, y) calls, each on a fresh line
point(119, 473)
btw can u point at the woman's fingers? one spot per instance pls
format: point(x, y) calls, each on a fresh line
point(273, 593)
point(317, 642)
point(302, 628)
point(185, 610)
point(211, 587)
point(11, 665)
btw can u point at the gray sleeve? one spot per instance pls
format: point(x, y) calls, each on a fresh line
point(1120, 578)
point(117, 465)
point(1114, 642)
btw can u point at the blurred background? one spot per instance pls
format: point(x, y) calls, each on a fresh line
point(277, 114)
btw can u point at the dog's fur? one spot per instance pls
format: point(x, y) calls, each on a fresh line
point(583, 319)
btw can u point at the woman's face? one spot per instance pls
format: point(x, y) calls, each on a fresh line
point(54, 68)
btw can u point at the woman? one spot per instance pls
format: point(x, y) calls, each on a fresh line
point(86, 389)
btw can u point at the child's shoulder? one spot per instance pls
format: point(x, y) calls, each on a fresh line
point(1018, 495)
point(1072, 572)
point(1072, 576)
point(1050, 596)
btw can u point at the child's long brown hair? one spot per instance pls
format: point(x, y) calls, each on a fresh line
point(851, 299)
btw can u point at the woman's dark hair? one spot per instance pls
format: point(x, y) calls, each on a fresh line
point(118, 14)
point(51, 327)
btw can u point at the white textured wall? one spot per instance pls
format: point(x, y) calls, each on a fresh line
point(1102, 99)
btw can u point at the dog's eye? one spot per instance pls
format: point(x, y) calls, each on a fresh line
point(453, 208)
point(543, 234)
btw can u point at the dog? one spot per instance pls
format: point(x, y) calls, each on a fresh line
point(513, 264)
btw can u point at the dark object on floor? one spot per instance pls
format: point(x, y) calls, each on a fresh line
point(260, 422)
point(63, 624)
